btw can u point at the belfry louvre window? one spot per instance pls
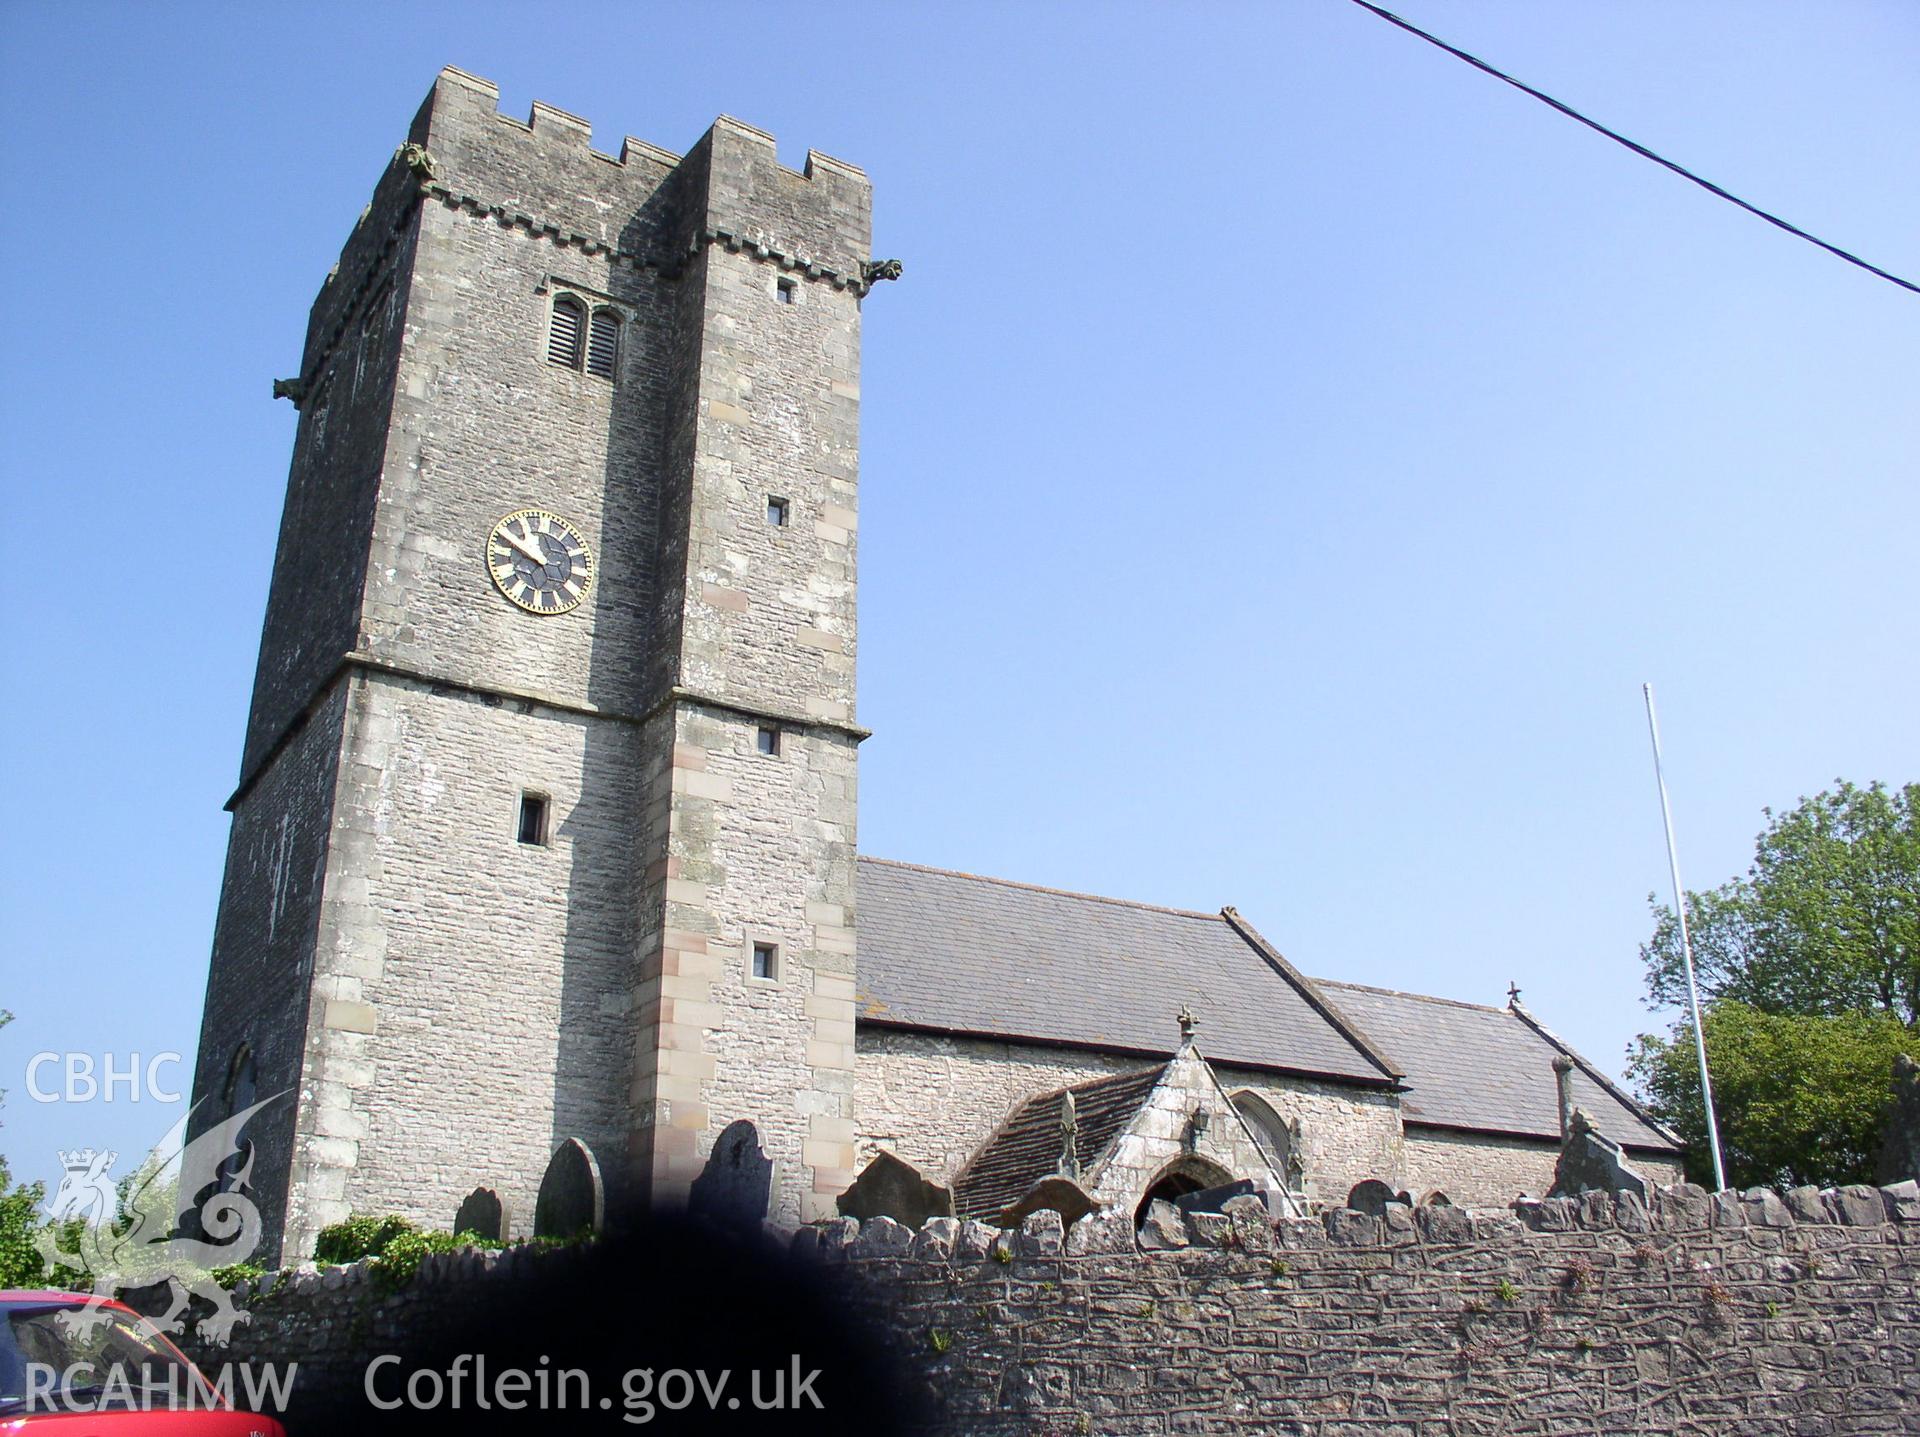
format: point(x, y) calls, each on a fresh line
point(563, 332)
point(603, 343)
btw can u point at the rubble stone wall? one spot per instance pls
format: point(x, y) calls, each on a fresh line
point(1756, 1313)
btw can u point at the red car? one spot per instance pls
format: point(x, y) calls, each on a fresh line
point(107, 1376)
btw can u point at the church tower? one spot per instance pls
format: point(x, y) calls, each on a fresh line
point(545, 826)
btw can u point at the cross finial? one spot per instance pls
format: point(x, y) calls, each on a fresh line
point(1187, 1023)
point(1513, 994)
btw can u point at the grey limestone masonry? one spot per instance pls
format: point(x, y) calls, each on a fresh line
point(1748, 1315)
point(931, 1100)
point(1483, 1170)
point(449, 1004)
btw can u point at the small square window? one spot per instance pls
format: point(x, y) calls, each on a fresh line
point(784, 290)
point(766, 961)
point(533, 818)
point(768, 741)
point(776, 512)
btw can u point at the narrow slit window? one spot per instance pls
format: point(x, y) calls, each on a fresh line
point(766, 960)
point(563, 334)
point(603, 344)
point(769, 741)
point(533, 818)
point(784, 290)
point(776, 512)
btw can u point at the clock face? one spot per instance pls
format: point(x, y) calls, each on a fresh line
point(539, 561)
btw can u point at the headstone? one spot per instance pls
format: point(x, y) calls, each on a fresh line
point(735, 1185)
point(1052, 1194)
point(1371, 1197)
point(571, 1199)
point(1590, 1161)
point(891, 1187)
point(1900, 1130)
point(1215, 1199)
point(482, 1211)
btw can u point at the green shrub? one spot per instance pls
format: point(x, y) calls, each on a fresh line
point(359, 1236)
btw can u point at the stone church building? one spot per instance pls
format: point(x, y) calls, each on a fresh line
point(544, 837)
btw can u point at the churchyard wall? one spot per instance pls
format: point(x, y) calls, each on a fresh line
point(1755, 1314)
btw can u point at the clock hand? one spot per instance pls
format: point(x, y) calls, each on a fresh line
point(523, 546)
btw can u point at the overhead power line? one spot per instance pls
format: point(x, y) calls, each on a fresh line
point(1638, 149)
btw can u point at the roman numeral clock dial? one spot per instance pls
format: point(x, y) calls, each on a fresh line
point(539, 561)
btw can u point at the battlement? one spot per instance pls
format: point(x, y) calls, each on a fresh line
point(550, 120)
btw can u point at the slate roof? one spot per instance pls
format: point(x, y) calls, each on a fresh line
point(1487, 1069)
point(954, 953)
point(1026, 1147)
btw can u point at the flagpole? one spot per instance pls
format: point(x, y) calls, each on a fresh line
point(1686, 948)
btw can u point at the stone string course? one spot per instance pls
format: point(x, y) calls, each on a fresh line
point(1755, 1313)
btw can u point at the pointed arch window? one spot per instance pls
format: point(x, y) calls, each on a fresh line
point(603, 344)
point(565, 330)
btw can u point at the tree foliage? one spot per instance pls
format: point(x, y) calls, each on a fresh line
point(1799, 1096)
point(1809, 973)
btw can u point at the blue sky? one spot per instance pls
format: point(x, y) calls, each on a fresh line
point(1285, 457)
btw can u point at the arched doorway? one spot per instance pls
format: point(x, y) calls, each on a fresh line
point(1185, 1174)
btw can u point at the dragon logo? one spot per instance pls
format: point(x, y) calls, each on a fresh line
point(185, 1212)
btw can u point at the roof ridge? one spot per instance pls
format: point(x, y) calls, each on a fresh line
point(1421, 997)
point(1040, 888)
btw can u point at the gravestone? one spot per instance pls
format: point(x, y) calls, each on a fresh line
point(482, 1211)
point(1371, 1197)
point(571, 1198)
point(733, 1188)
point(1590, 1161)
point(1051, 1194)
point(891, 1187)
point(1216, 1199)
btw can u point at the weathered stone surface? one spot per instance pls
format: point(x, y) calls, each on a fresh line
point(1902, 1200)
point(1806, 1204)
point(1347, 1227)
point(571, 1199)
point(833, 1237)
point(882, 1237)
point(1210, 1229)
point(1727, 1209)
point(1630, 1212)
point(975, 1241)
point(1596, 1210)
point(1680, 1206)
point(1443, 1223)
point(1764, 1208)
point(1547, 1214)
point(934, 1242)
point(1041, 1234)
point(1101, 1232)
point(483, 1212)
point(1163, 1229)
point(1397, 1223)
point(1860, 1205)
point(733, 1188)
point(889, 1187)
point(1590, 1161)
